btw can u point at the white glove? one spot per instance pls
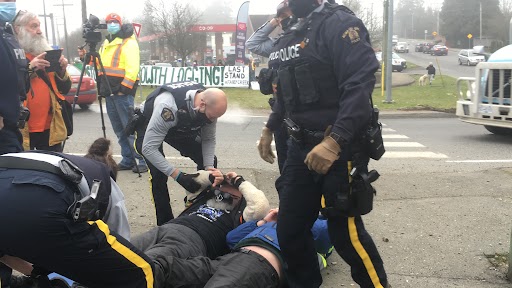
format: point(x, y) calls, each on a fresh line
point(203, 179)
point(257, 203)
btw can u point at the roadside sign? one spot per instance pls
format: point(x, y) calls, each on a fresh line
point(470, 36)
point(136, 28)
point(434, 33)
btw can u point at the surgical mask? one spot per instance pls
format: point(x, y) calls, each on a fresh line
point(113, 28)
point(288, 22)
point(302, 8)
point(7, 11)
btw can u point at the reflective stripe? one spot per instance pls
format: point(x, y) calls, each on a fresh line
point(126, 252)
point(116, 72)
point(117, 54)
point(128, 83)
point(368, 264)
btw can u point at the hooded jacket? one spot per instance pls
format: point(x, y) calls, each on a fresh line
point(121, 59)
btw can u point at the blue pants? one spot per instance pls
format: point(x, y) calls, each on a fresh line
point(300, 191)
point(119, 110)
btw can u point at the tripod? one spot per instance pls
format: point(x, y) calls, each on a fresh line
point(95, 59)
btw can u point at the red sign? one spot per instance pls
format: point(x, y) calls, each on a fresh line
point(213, 28)
point(136, 28)
point(242, 26)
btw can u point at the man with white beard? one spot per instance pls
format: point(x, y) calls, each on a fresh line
point(46, 125)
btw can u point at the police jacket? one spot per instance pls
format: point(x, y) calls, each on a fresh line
point(9, 97)
point(121, 58)
point(110, 198)
point(326, 73)
point(170, 114)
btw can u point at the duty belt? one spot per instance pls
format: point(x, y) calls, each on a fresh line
point(303, 136)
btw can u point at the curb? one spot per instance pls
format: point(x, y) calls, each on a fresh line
point(397, 114)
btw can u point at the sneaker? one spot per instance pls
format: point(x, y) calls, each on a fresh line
point(322, 263)
point(122, 167)
point(142, 168)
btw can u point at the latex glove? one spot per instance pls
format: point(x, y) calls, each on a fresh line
point(264, 147)
point(321, 157)
point(194, 183)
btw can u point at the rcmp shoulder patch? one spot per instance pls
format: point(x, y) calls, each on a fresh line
point(167, 115)
point(353, 34)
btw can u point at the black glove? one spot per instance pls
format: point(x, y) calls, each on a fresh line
point(188, 182)
point(235, 182)
point(40, 276)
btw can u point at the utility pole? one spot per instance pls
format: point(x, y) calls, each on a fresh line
point(84, 11)
point(412, 25)
point(45, 22)
point(46, 28)
point(480, 22)
point(438, 32)
point(65, 26)
point(389, 55)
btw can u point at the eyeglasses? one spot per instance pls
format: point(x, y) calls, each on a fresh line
point(221, 196)
point(19, 14)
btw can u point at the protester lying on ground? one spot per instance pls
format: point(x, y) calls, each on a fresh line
point(254, 262)
point(202, 228)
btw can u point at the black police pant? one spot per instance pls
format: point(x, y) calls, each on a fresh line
point(36, 228)
point(166, 243)
point(280, 138)
point(300, 192)
point(10, 142)
point(188, 147)
point(240, 268)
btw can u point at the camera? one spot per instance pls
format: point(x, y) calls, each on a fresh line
point(90, 30)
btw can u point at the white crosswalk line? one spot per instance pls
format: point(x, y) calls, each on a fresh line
point(403, 145)
point(394, 136)
point(388, 130)
point(403, 154)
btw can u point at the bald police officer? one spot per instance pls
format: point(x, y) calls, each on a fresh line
point(326, 77)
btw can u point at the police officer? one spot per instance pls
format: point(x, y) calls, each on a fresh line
point(326, 77)
point(260, 43)
point(12, 81)
point(50, 218)
point(184, 115)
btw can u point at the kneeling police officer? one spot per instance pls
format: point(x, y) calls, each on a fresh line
point(51, 211)
point(326, 78)
point(184, 115)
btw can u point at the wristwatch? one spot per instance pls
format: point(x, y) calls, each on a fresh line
point(336, 137)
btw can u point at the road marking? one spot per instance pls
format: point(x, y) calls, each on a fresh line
point(403, 145)
point(388, 130)
point(401, 154)
point(119, 156)
point(394, 136)
point(480, 161)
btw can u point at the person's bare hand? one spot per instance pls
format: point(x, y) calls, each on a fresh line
point(218, 176)
point(63, 63)
point(272, 215)
point(231, 176)
point(39, 63)
point(1, 122)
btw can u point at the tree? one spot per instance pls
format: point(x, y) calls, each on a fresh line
point(462, 17)
point(372, 22)
point(174, 21)
point(218, 12)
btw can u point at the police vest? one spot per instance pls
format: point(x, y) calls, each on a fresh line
point(91, 170)
point(187, 122)
point(307, 82)
point(21, 61)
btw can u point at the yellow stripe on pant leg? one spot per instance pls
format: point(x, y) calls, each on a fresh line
point(127, 253)
point(354, 239)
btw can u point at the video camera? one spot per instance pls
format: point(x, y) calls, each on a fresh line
point(90, 30)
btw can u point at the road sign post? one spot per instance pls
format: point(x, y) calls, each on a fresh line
point(469, 40)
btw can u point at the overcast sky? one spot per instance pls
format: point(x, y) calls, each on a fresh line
point(132, 8)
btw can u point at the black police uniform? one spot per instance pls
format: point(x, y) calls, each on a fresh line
point(13, 77)
point(37, 226)
point(184, 137)
point(326, 77)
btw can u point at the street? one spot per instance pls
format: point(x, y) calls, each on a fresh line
point(443, 199)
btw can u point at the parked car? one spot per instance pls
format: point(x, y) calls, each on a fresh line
point(427, 47)
point(88, 92)
point(467, 57)
point(402, 47)
point(438, 50)
point(399, 63)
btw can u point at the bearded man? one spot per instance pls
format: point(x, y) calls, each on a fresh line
point(46, 125)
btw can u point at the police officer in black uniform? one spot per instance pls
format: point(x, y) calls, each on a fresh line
point(326, 78)
point(51, 206)
point(184, 115)
point(13, 82)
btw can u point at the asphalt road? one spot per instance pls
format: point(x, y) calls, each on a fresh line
point(443, 199)
point(447, 65)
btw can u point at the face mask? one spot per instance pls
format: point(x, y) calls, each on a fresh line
point(201, 118)
point(7, 11)
point(288, 22)
point(113, 28)
point(302, 8)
